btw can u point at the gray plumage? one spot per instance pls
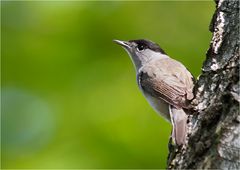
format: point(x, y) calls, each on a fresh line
point(167, 79)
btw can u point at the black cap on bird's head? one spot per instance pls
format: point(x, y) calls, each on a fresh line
point(147, 44)
point(140, 45)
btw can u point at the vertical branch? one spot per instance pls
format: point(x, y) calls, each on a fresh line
point(214, 126)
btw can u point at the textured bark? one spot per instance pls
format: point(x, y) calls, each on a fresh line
point(214, 124)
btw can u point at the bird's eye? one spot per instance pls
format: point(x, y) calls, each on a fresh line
point(140, 47)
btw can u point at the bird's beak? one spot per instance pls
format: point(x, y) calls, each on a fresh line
point(124, 44)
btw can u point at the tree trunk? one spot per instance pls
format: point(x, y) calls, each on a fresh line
point(214, 129)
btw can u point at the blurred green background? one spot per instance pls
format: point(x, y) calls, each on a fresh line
point(69, 94)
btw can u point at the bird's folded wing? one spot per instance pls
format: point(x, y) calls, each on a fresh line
point(170, 83)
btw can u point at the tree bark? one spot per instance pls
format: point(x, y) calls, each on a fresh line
point(214, 125)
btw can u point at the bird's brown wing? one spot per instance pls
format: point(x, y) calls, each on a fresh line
point(168, 80)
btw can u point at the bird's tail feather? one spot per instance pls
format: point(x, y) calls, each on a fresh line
point(179, 122)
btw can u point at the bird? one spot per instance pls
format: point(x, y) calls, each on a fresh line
point(165, 82)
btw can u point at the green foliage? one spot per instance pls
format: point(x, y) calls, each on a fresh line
point(69, 94)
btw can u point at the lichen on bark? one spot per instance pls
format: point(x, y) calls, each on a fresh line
point(214, 125)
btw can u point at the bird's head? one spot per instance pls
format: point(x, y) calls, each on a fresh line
point(141, 51)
